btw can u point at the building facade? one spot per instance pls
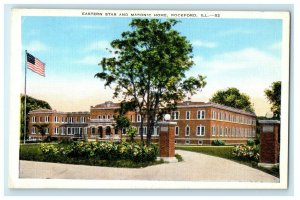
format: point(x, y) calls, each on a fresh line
point(198, 123)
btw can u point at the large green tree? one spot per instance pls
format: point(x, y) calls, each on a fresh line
point(148, 68)
point(274, 97)
point(31, 104)
point(232, 97)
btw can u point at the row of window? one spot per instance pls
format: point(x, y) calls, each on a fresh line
point(62, 119)
point(219, 131)
point(200, 114)
point(224, 116)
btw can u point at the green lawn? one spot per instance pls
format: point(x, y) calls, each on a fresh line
point(226, 152)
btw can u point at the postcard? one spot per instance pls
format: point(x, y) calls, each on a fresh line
point(149, 99)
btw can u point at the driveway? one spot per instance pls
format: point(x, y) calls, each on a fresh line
point(195, 167)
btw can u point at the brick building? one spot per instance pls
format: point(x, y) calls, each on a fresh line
point(197, 123)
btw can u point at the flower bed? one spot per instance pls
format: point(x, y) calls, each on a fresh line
point(246, 152)
point(123, 154)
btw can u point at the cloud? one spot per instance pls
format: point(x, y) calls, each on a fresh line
point(89, 60)
point(249, 58)
point(100, 45)
point(92, 27)
point(276, 46)
point(236, 31)
point(204, 44)
point(36, 46)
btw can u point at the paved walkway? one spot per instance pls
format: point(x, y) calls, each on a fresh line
point(195, 167)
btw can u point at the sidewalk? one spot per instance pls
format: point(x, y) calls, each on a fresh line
point(195, 167)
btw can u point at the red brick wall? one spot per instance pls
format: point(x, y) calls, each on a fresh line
point(166, 142)
point(269, 146)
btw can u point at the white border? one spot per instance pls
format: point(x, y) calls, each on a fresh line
point(15, 72)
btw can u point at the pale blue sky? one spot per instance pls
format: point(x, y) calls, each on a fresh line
point(242, 53)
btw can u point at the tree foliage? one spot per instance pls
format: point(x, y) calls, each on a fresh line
point(232, 97)
point(31, 104)
point(274, 97)
point(148, 68)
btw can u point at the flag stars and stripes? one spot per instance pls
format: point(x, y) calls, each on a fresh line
point(35, 64)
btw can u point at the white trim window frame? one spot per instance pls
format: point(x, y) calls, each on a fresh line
point(187, 131)
point(56, 131)
point(221, 131)
point(200, 114)
point(187, 115)
point(62, 131)
point(138, 118)
point(226, 131)
point(33, 119)
point(47, 118)
point(200, 131)
point(175, 115)
point(33, 131)
point(176, 130)
point(55, 119)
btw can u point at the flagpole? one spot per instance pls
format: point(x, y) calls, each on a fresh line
point(25, 97)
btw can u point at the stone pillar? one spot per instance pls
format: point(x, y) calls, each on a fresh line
point(167, 141)
point(269, 144)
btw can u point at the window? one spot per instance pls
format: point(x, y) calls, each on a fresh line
point(33, 130)
point(144, 130)
point(99, 116)
point(237, 132)
point(40, 119)
point(214, 114)
point(123, 131)
point(47, 131)
point(233, 132)
point(200, 142)
point(62, 120)
point(177, 130)
point(175, 142)
point(33, 119)
point(253, 132)
point(138, 118)
point(221, 131)
point(175, 115)
point(200, 130)
point(187, 114)
point(226, 131)
point(155, 131)
point(108, 117)
point(56, 130)
point(47, 119)
point(187, 131)
point(187, 142)
point(213, 130)
point(71, 119)
point(62, 131)
point(219, 115)
point(55, 119)
point(82, 119)
point(93, 131)
point(200, 114)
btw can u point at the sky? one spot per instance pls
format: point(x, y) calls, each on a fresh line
point(241, 53)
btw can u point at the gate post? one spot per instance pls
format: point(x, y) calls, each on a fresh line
point(269, 144)
point(167, 141)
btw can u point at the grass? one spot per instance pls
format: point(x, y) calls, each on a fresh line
point(32, 152)
point(226, 152)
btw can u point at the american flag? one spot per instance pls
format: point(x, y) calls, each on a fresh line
point(35, 64)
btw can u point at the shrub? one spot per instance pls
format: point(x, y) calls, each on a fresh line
point(218, 143)
point(246, 153)
point(250, 142)
point(94, 151)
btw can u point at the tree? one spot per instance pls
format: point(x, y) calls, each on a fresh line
point(274, 97)
point(31, 104)
point(121, 122)
point(149, 67)
point(232, 97)
point(42, 128)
